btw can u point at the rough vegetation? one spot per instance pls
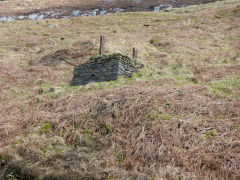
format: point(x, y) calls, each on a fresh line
point(177, 118)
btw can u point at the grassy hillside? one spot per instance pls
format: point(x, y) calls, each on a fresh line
point(177, 118)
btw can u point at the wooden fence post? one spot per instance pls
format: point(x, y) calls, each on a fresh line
point(102, 44)
point(135, 54)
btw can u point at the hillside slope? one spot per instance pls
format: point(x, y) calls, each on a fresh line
point(177, 118)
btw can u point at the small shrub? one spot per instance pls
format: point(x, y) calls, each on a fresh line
point(109, 127)
point(166, 103)
point(30, 63)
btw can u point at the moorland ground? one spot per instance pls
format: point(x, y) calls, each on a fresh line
point(177, 118)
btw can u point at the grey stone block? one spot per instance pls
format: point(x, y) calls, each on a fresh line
point(104, 68)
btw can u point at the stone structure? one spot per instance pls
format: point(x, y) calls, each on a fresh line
point(104, 68)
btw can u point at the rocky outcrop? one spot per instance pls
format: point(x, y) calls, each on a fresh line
point(104, 68)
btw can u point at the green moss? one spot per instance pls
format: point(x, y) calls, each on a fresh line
point(182, 80)
point(53, 95)
point(46, 35)
point(46, 85)
point(100, 58)
point(17, 141)
point(166, 103)
point(109, 127)
point(47, 127)
point(154, 42)
point(209, 135)
point(237, 126)
point(160, 116)
point(132, 178)
point(89, 132)
point(180, 177)
point(44, 145)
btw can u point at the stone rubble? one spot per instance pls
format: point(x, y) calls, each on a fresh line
point(75, 13)
point(60, 15)
point(165, 7)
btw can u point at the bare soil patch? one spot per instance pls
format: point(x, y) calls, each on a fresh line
point(85, 48)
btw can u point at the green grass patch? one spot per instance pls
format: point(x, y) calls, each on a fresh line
point(226, 87)
point(159, 115)
point(210, 135)
point(46, 128)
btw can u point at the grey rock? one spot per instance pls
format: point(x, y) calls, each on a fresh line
point(50, 26)
point(156, 8)
point(3, 19)
point(94, 13)
point(33, 16)
point(40, 17)
point(76, 13)
point(102, 12)
point(10, 19)
point(118, 10)
point(65, 17)
point(56, 14)
point(138, 1)
point(168, 9)
point(49, 12)
point(165, 5)
point(21, 17)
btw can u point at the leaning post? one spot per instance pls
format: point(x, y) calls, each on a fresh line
point(135, 55)
point(102, 44)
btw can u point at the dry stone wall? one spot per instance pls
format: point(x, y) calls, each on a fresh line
point(104, 68)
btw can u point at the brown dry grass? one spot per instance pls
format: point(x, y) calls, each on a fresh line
point(176, 118)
